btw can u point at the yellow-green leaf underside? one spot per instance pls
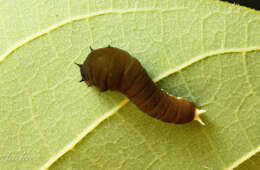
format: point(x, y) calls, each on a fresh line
point(205, 51)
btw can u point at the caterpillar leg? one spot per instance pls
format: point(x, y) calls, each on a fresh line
point(88, 83)
point(197, 116)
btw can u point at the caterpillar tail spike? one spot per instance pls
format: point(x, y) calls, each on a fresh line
point(197, 116)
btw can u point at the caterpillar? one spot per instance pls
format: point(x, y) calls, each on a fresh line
point(112, 68)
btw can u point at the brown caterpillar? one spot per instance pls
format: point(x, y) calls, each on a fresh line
point(111, 68)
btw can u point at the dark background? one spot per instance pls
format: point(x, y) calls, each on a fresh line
point(255, 4)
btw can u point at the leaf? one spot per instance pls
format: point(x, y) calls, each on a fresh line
point(252, 163)
point(206, 51)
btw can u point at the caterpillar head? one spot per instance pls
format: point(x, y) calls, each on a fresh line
point(83, 75)
point(88, 68)
point(81, 72)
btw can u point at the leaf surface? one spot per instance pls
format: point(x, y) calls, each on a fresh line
point(205, 51)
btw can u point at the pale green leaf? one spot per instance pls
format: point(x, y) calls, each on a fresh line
point(205, 51)
point(252, 163)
